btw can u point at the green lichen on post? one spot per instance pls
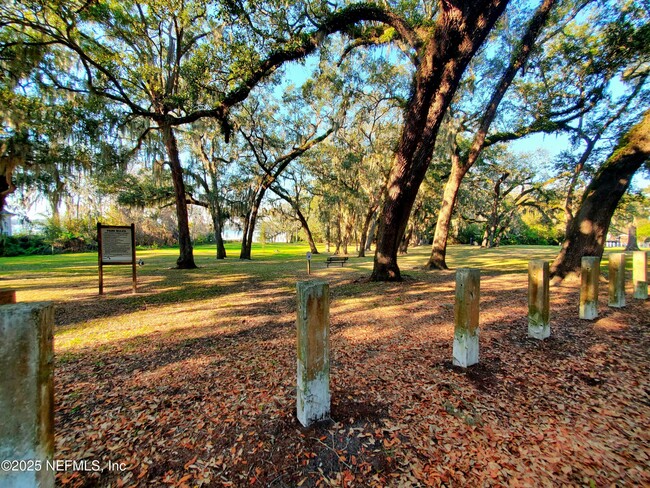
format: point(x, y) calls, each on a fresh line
point(616, 280)
point(538, 300)
point(589, 275)
point(466, 314)
point(313, 368)
point(640, 275)
point(27, 394)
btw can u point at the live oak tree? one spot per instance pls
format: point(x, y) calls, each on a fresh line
point(626, 47)
point(588, 231)
point(161, 61)
point(296, 189)
point(169, 63)
point(441, 46)
point(273, 139)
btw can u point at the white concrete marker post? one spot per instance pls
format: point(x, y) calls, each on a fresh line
point(640, 275)
point(538, 300)
point(26, 394)
point(589, 275)
point(313, 392)
point(466, 312)
point(616, 280)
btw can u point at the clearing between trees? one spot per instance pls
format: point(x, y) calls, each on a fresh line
point(191, 382)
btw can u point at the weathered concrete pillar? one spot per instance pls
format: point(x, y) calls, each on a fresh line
point(640, 274)
point(539, 326)
point(26, 393)
point(589, 275)
point(617, 280)
point(313, 394)
point(466, 310)
point(7, 297)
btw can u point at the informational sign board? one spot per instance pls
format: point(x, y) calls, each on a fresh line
point(116, 246)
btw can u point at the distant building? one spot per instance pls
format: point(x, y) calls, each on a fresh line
point(5, 223)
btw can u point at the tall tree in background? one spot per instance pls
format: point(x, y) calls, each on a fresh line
point(461, 163)
point(274, 138)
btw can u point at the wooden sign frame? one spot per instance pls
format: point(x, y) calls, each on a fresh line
point(104, 258)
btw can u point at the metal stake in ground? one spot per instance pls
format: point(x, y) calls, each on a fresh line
point(466, 311)
point(27, 393)
point(313, 392)
point(538, 300)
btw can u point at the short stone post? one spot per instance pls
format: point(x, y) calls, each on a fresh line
point(640, 275)
point(7, 297)
point(589, 275)
point(26, 393)
point(466, 310)
point(538, 300)
point(313, 393)
point(616, 280)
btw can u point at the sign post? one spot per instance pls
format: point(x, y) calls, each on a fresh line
point(116, 247)
point(308, 262)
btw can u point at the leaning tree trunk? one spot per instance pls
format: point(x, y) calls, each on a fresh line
point(305, 226)
point(438, 258)
point(458, 33)
point(186, 258)
point(371, 235)
point(217, 224)
point(459, 168)
point(589, 226)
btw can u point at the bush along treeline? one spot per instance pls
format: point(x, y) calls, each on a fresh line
point(72, 235)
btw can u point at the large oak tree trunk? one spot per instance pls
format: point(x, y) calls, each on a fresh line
point(588, 231)
point(186, 258)
point(460, 30)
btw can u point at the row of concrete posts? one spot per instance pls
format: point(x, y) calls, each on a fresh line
point(26, 354)
point(313, 394)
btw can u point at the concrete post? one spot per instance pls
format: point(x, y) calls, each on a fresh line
point(616, 280)
point(538, 300)
point(313, 393)
point(27, 392)
point(640, 275)
point(466, 311)
point(589, 276)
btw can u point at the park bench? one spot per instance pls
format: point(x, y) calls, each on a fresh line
point(335, 259)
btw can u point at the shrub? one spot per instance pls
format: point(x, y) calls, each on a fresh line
point(23, 245)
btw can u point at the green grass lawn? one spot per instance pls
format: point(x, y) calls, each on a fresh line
point(72, 279)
